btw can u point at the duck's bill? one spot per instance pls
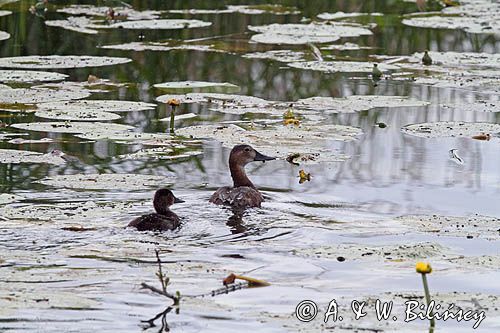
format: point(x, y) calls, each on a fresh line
point(262, 157)
point(177, 200)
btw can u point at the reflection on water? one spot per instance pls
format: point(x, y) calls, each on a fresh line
point(65, 281)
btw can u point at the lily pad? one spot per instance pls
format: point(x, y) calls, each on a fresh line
point(280, 141)
point(5, 12)
point(277, 55)
point(305, 33)
point(30, 76)
point(25, 156)
point(460, 60)
point(450, 129)
point(78, 24)
point(121, 136)
point(159, 46)
point(96, 106)
point(77, 115)
point(242, 9)
point(6, 198)
point(107, 181)
point(32, 96)
point(56, 61)
point(191, 86)
point(74, 128)
point(356, 103)
point(342, 15)
point(477, 106)
point(160, 153)
point(461, 226)
point(4, 35)
point(220, 99)
point(163, 24)
point(346, 47)
point(125, 13)
point(21, 141)
point(341, 66)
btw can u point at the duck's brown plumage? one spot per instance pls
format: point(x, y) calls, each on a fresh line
point(243, 194)
point(164, 219)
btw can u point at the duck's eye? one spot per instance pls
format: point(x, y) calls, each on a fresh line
point(247, 149)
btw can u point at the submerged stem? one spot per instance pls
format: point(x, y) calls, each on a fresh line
point(172, 119)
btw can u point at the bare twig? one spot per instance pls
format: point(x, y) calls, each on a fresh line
point(164, 283)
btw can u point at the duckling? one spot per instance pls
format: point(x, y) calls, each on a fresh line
point(426, 59)
point(243, 194)
point(376, 73)
point(164, 219)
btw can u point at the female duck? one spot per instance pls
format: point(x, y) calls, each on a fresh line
point(164, 219)
point(243, 194)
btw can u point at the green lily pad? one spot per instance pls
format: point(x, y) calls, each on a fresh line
point(56, 61)
point(160, 153)
point(30, 76)
point(342, 15)
point(25, 156)
point(450, 129)
point(220, 99)
point(107, 181)
point(121, 136)
point(192, 86)
point(73, 128)
point(277, 55)
point(78, 24)
point(6, 198)
point(305, 33)
point(5, 12)
point(159, 46)
point(477, 106)
point(97, 106)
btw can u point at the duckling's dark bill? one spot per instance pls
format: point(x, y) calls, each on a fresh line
point(262, 157)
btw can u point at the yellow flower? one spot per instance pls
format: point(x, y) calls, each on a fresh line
point(173, 102)
point(295, 122)
point(304, 176)
point(423, 268)
point(288, 114)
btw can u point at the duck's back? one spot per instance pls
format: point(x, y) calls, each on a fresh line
point(156, 222)
point(237, 197)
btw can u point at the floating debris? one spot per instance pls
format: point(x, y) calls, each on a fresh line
point(57, 61)
point(455, 158)
point(482, 137)
point(106, 181)
point(316, 52)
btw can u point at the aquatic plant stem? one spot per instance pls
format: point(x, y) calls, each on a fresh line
point(172, 119)
point(164, 283)
point(428, 299)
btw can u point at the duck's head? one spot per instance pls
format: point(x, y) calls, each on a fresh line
point(375, 65)
point(243, 154)
point(163, 199)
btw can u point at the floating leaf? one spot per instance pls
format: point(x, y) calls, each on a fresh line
point(242, 9)
point(25, 156)
point(160, 153)
point(74, 128)
point(158, 46)
point(220, 99)
point(341, 66)
point(77, 24)
point(356, 103)
point(32, 96)
point(6, 198)
point(120, 12)
point(198, 86)
point(5, 12)
point(277, 55)
point(107, 181)
point(305, 33)
point(162, 24)
point(21, 141)
point(30, 76)
point(77, 115)
point(121, 136)
point(477, 106)
point(342, 15)
point(450, 129)
point(280, 140)
point(97, 106)
point(57, 61)
point(4, 35)
point(346, 47)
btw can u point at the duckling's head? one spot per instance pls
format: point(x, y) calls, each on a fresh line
point(163, 199)
point(375, 65)
point(243, 154)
